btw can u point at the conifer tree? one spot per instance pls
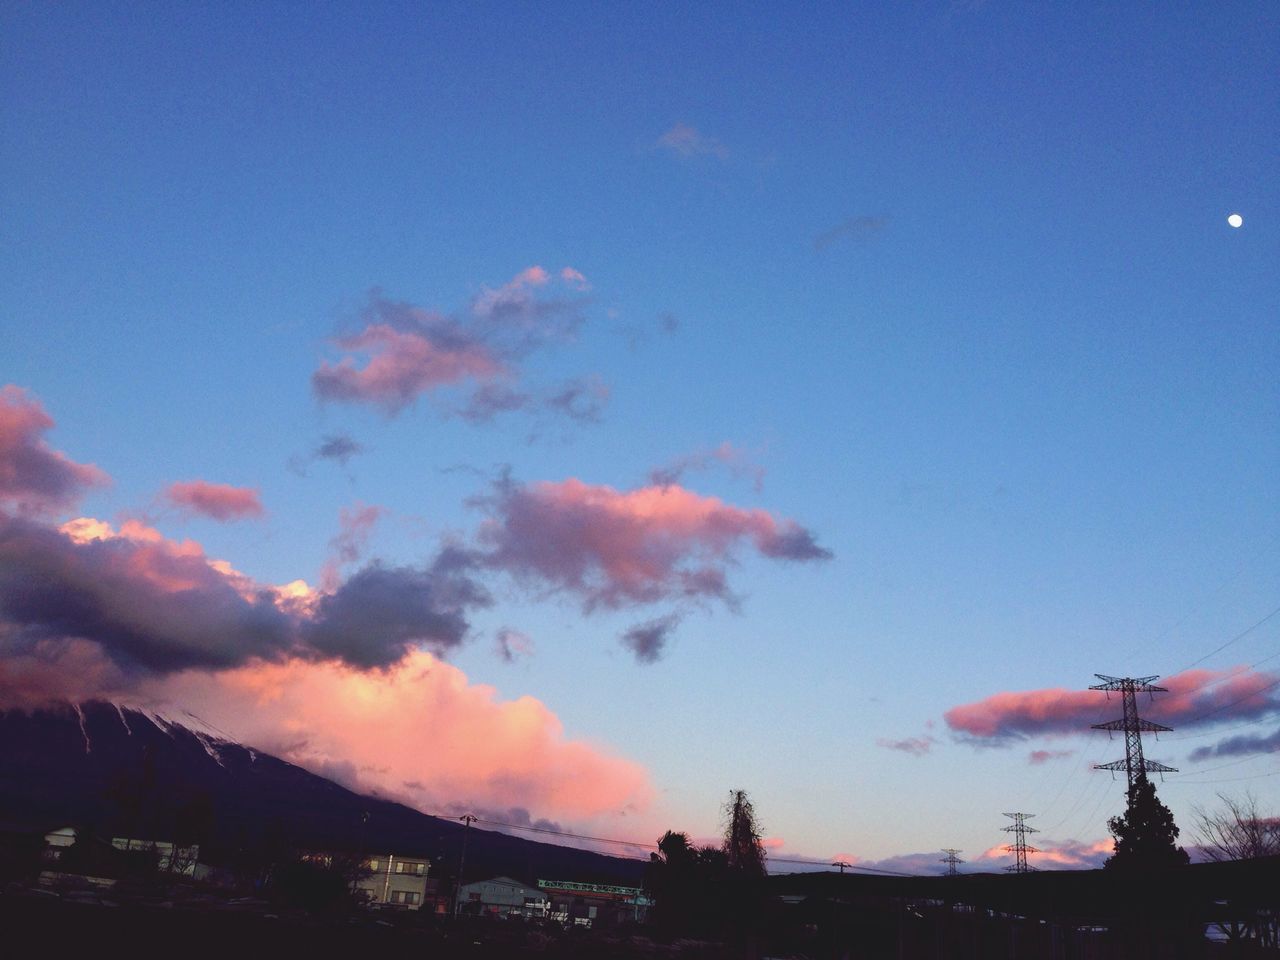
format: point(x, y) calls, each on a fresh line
point(1145, 836)
point(742, 845)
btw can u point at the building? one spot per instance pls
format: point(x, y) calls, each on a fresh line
point(399, 882)
point(503, 897)
point(594, 904)
point(170, 858)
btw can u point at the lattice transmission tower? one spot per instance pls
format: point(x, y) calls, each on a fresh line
point(1134, 764)
point(1020, 848)
point(951, 860)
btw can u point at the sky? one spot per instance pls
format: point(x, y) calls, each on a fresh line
point(569, 414)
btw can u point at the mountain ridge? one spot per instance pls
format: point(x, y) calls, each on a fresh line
point(109, 767)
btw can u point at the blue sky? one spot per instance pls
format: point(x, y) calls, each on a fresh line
point(953, 283)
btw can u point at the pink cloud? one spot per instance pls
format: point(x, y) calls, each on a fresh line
point(686, 141)
point(35, 478)
point(403, 364)
point(218, 501)
point(1050, 855)
point(1195, 697)
point(404, 352)
point(613, 548)
point(419, 730)
point(915, 746)
point(1038, 757)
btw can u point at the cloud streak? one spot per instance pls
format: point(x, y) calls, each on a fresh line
point(854, 228)
point(217, 501)
point(914, 746)
point(738, 462)
point(1195, 698)
point(683, 140)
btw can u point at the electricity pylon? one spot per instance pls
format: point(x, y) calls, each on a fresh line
point(951, 860)
point(1019, 848)
point(1134, 764)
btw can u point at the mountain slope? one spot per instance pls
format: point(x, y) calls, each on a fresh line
point(122, 771)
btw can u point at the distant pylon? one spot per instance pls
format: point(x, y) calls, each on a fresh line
point(1019, 848)
point(951, 860)
point(1134, 764)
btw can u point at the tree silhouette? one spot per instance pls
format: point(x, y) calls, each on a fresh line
point(1238, 831)
point(742, 846)
point(1145, 836)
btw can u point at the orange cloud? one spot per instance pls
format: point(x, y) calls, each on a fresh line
point(419, 731)
point(1068, 855)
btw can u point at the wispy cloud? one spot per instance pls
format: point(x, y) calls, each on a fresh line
point(1039, 757)
point(474, 358)
point(738, 462)
point(915, 746)
point(648, 640)
point(683, 140)
point(1240, 745)
point(512, 645)
point(337, 448)
point(854, 228)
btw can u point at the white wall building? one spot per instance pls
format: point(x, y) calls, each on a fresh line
point(395, 881)
point(503, 897)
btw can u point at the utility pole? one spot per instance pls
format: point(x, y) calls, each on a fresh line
point(951, 860)
point(842, 864)
point(1134, 764)
point(1019, 848)
point(467, 819)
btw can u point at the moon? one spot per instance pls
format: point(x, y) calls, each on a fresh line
point(1235, 220)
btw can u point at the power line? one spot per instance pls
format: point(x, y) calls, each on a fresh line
point(644, 846)
point(1238, 636)
point(1256, 776)
point(1221, 586)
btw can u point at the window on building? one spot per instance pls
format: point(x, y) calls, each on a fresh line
point(373, 864)
point(410, 867)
